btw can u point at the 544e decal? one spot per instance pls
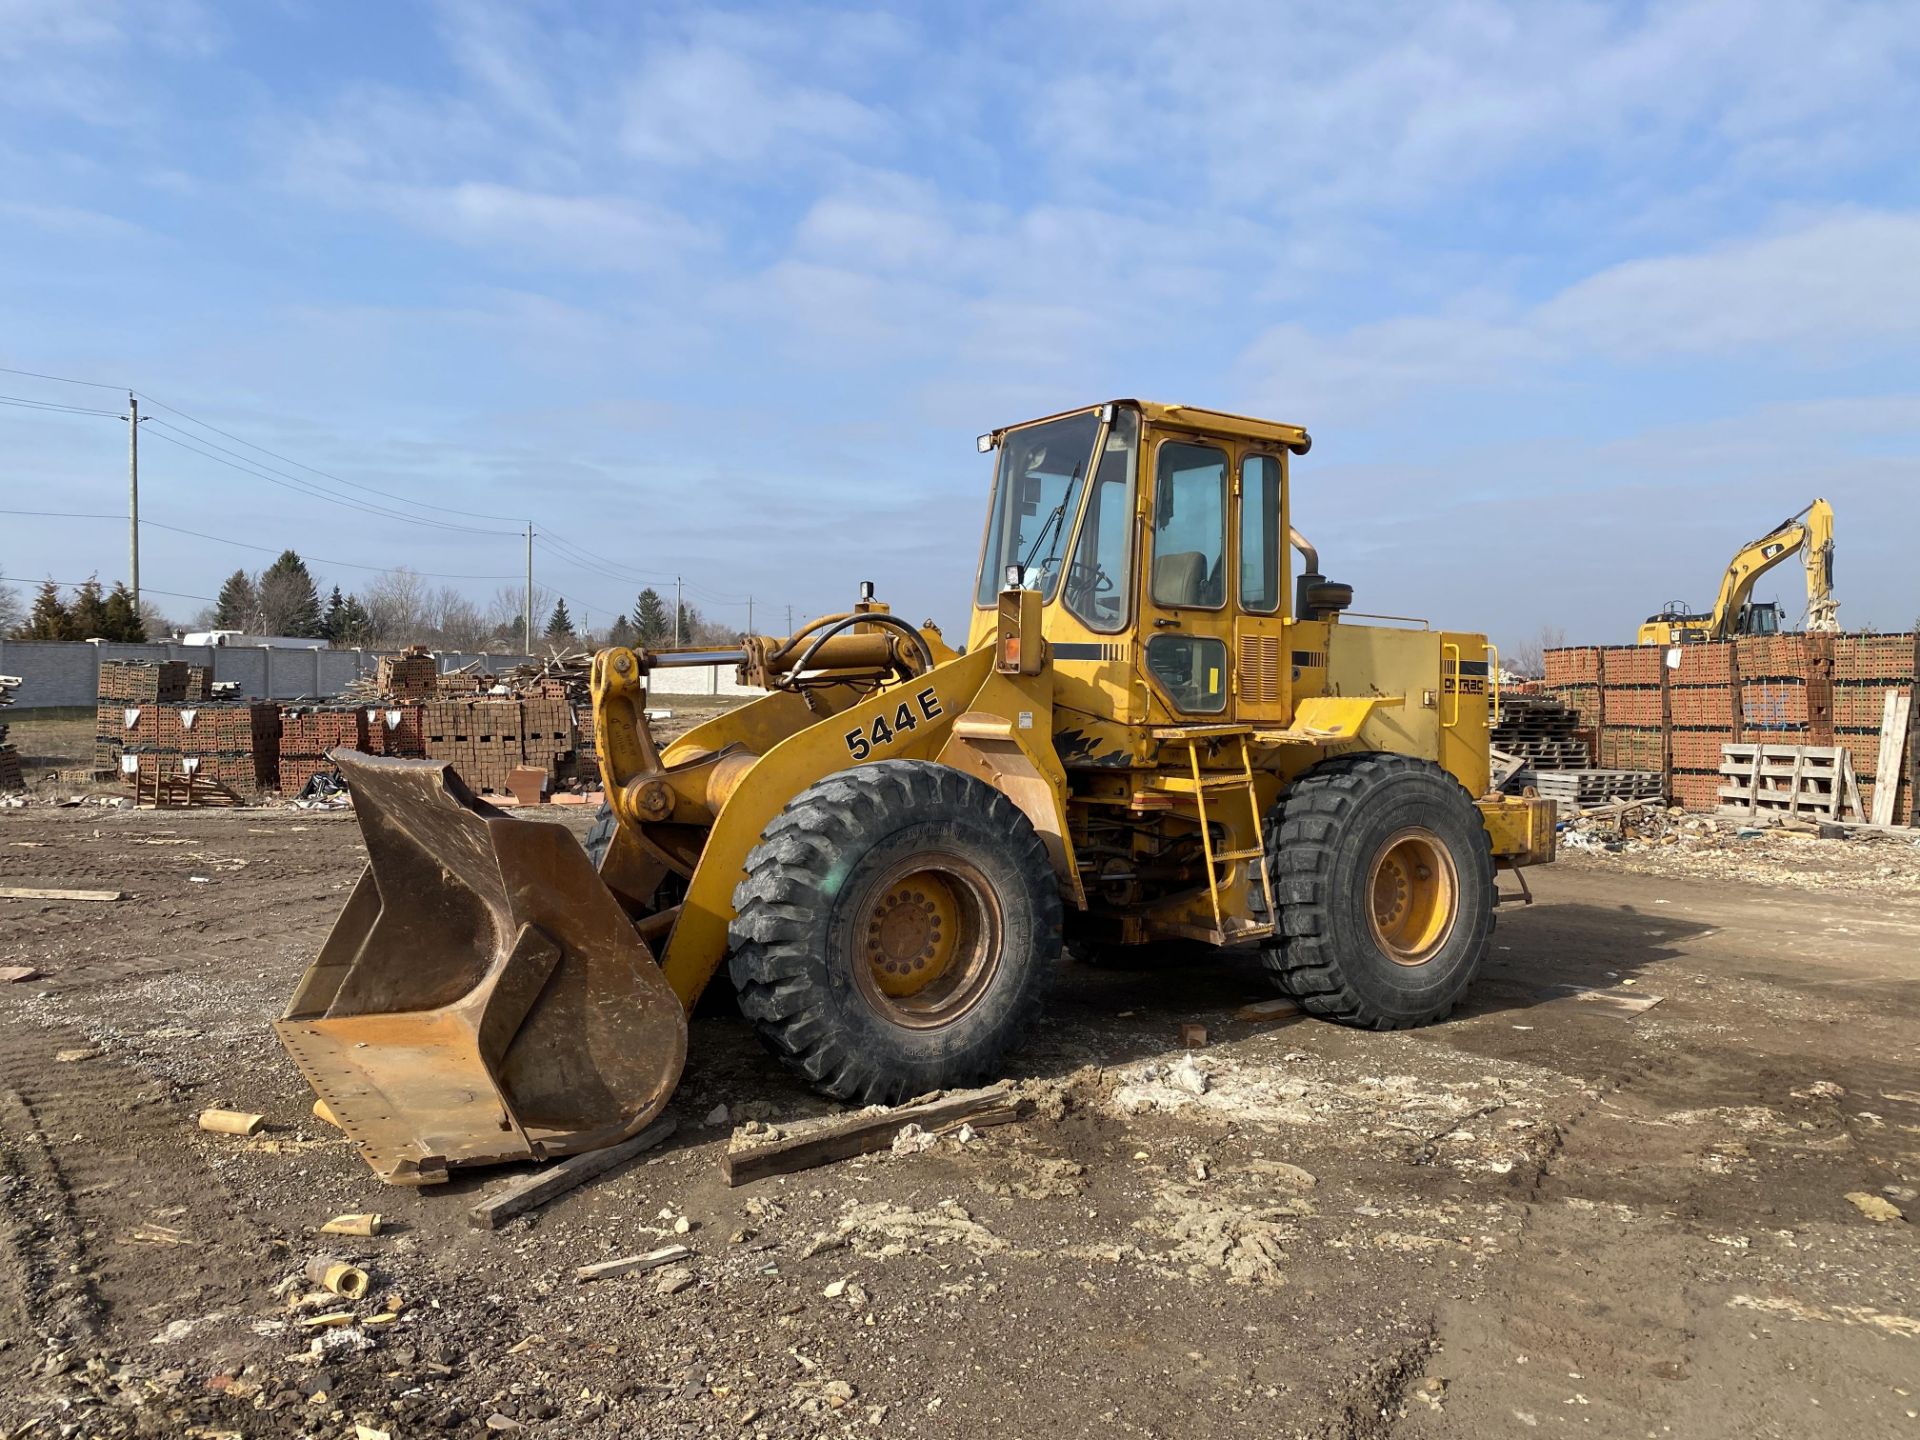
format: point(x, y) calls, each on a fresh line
point(862, 741)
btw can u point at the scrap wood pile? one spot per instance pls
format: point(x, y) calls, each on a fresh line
point(11, 776)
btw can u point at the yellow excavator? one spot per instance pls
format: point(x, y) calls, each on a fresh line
point(1150, 736)
point(1809, 535)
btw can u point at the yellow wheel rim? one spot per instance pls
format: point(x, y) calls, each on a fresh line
point(928, 932)
point(1413, 896)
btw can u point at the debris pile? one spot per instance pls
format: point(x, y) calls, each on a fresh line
point(1799, 854)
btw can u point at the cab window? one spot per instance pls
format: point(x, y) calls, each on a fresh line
point(1192, 669)
point(1100, 578)
point(1260, 534)
point(1036, 495)
point(1190, 526)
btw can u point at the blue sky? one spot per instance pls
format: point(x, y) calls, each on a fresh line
point(1572, 297)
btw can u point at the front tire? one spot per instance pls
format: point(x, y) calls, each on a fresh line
point(896, 932)
point(1383, 872)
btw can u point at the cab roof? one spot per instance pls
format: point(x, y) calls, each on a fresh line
point(1198, 418)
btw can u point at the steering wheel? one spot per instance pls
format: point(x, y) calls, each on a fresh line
point(1088, 578)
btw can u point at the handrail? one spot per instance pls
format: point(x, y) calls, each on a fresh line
point(1445, 646)
point(1493, 681)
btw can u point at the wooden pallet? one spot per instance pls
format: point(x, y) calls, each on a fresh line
point(163, 792)
point(1812, 780)
point(1581, 790)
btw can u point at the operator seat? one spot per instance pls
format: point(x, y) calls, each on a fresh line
point(1180, 578)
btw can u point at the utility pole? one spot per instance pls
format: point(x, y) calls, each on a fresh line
point(789, 619)
point(527, 619)
point(134, 417)
point(749, 614)
point(677, 608)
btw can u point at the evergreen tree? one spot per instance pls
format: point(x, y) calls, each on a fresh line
point(124, 623)
point(356, 625)
point(651, 622)
point(560, 623)
point(289, 600)
point(238, 605)
point(89, 611)
point(620, 632)
point(334, 621)
point(690, 623)
point(49, 619)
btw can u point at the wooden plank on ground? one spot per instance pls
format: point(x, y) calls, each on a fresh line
point(1893, 742)
point(840, 1137)
point(1261, 1011)
point(628, 1264)
point(518, 1196)
point(40, 892)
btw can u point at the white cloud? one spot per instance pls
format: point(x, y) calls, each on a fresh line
point(1843, 280)
point(700, 104)
point(1836, 287)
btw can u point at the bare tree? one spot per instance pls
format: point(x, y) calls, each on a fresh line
point(458, 623)
point(1529, 657)
point(399, 608)
point(154, 619)
point(10, 611)
point(507, 613)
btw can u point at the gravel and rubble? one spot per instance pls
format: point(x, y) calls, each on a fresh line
point(1653, 840)
point(1295, 1230)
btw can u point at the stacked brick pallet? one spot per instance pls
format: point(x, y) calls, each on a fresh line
point(1815, 690)
point(412, 676)
point(129, 690)
point(486, 740)
point(12, 777)
point(396, 730)
point(235, 745)
point(1865, 668)
point(308, 733)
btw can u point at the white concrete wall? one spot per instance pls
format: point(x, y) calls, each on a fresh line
point(714, 680)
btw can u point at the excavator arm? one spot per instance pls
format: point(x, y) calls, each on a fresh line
point(1808, 534)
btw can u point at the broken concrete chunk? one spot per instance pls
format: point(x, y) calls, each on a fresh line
point(1876, 1209)
point(672, 1280)
point(1188, 1076)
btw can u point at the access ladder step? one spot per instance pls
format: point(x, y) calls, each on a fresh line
point(1255, 854)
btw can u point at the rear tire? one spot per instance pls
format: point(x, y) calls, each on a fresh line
point(1383, 872)
point(897, 931)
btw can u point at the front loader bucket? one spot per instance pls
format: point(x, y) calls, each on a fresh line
point(483, 997)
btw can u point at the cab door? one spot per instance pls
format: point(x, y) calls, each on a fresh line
point(1187, 580)
point(1262, 672)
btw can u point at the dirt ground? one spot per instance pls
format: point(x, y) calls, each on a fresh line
point(1560, 1212)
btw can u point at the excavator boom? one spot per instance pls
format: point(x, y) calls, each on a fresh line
point(1808, 534)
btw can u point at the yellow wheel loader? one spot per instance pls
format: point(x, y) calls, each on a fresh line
point(1151, 736)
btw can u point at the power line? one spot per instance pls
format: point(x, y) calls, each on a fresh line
point(313, 493)
point(248, 545)
point(337, 479)
point(587, 560)
point(76, 584)
point(251, 445)
point(27, 404)
point(95, 384)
